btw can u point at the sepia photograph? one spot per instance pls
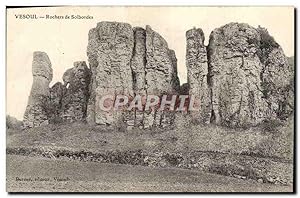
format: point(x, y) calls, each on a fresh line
point(152, 99)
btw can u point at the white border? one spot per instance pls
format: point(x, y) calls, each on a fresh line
point(109, 2)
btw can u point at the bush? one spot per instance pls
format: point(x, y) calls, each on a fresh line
point(13, 123)
point(271, 126)
point(267, 43)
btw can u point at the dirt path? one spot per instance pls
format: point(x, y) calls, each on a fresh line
point(28, 174)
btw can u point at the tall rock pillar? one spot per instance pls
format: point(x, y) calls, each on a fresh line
point(36, 113)
point(197, 71)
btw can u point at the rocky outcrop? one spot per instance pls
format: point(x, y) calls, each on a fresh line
point(62, 102)
point(197, 71)
point(129, 61)
point(123, 61)
point(109, 52)
point(56, 95)
point(75, 93)
point(235, 70)
point(242, 78)
point(36, 113)
point(247, 74)
point(160, 75)
point(161, 65)
point(138, 65)
point(69, 100)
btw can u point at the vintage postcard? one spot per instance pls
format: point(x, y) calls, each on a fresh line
point(150, 99)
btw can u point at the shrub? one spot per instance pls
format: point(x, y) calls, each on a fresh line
point(13, 123)
point(270, 125)
point(267, 44)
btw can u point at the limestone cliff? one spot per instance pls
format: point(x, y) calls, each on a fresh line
point(242, 78)
point(247, 73)
point(129, 61)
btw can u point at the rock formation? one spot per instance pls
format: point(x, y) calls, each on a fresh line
point(76, 93)
point(160, 75)
point(248, 75)
point(68, 101)
point(197, 71)
point(109, 52)
point(56, 95)
point(62, 102)
point(36, 113)
point(129, 61)
point(138, 65)
point(242, 78)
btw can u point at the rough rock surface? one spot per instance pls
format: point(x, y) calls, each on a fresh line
point(161, 65)
point(75, 93)
point(61, 102)
point(197, 71)
point(249, 76)
point(109, 53)
point(36, 113)
point(68, 101)
point(129, 61)
point(241, 78)
point(161, 76)
point(56, 95)
point(138, 65)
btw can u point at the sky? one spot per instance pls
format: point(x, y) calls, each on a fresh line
point(65, 40)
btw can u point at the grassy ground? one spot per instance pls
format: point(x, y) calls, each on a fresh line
point(77, 176)
point(277, 143)
point(263, 153)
